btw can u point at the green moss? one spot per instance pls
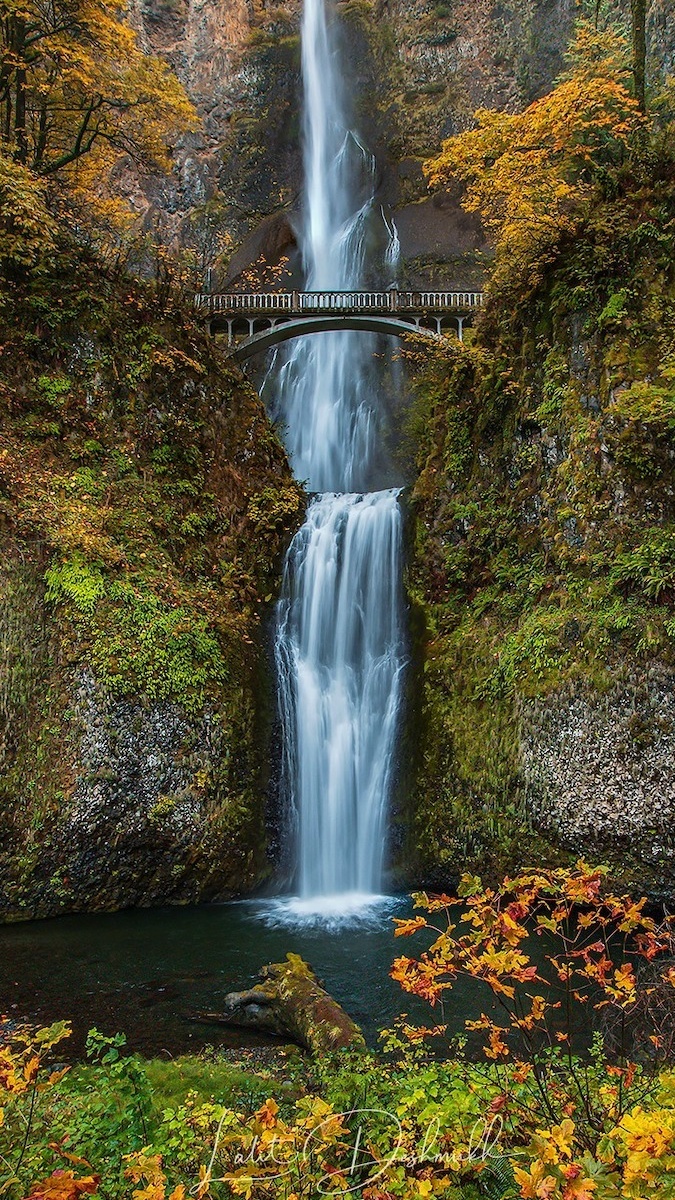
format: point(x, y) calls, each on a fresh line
point(198, 1079)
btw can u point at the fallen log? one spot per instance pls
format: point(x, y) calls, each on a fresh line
point(290, 1001)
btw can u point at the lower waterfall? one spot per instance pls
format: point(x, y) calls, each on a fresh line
point(339, 658)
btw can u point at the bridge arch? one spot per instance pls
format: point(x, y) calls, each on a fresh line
point(278, 331)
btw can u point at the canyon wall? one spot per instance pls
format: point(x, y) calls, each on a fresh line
point(419, 70)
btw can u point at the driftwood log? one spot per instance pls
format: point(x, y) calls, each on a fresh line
point(290, 1001)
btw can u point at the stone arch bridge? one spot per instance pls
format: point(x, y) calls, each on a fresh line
point(254, 322)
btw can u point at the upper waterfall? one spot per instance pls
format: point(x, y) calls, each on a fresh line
point(326, 394)
point(332, 256)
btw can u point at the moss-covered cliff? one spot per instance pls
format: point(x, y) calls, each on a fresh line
point(544, 561)
point(144, 506)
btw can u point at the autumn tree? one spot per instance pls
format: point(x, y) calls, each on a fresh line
point(74, 81)
point(573, 1110)
point(530, 174)
point(27, 229)
point(77, 97)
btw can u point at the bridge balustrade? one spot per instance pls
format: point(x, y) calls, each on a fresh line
point(391, 300)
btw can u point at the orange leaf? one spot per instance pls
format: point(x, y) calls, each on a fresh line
point(404, 928)
point(62, 1185)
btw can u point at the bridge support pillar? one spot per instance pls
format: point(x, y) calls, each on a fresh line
point(460, 328)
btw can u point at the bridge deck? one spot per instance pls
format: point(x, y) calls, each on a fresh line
point(295, 303)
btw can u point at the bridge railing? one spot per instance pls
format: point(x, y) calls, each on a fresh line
point(391, 300)
point(246, 302)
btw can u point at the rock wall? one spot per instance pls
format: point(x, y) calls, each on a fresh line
point(598, 769)
point(144, 818)
point(239, 62)
point(417, 73)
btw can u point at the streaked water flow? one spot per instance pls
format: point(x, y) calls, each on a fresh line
point(340, 660)
point(339, 645)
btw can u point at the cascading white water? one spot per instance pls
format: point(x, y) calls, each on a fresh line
point(340, 659)
point(325, 385)
point(339, 645)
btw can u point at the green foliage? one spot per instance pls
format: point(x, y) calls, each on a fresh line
point(146, 503)
point(104, 1109)
point(83, 585)
point(652, 404)
point(138, 641)
point(167, 652)
point(53, 389)
point(161, 555)
point(615, 309)
point(93, 1115)
point(650, 566)
point(543, 501)
point(532, 652)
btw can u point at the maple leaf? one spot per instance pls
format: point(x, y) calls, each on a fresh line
point(578, 1186)
point(534, 1184)
point(64, 1185)
point(522, 1071)
point(497, 1047)
point(405, 928)
point(563, 1137)
point(75, 1159)
point(31, 1068)
point(267, 1113)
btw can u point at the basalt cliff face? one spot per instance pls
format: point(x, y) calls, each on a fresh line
point(419, 71)
point(545, 529)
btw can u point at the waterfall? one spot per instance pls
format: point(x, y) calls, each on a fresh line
point(392, 255)
point(340, 663)
point(339, 644)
